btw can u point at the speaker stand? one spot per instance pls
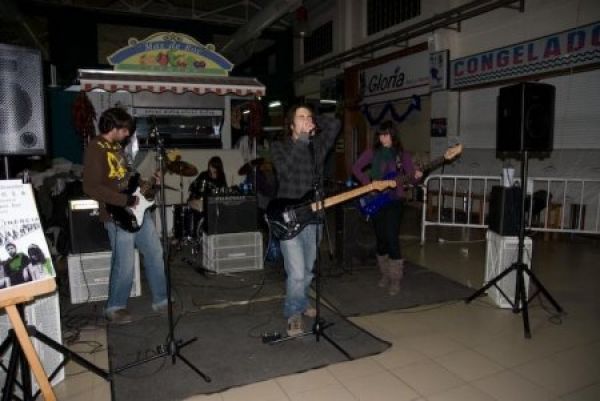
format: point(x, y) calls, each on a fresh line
point(521, 302)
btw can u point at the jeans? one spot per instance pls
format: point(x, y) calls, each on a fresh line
point(299, 255)
point(123, 244)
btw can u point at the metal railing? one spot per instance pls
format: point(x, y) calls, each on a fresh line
point(559, 205)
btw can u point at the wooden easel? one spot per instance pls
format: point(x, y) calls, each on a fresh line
point(9, 299)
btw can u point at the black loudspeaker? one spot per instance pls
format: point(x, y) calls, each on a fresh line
point(525, 118)
point(87, 233)
point(355, 237)
point(21, 102)
point(505, 210)
point(231, 214)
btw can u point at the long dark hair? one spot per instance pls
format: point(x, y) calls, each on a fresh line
point(216, 163)
point(388, 126)
point(291, 113)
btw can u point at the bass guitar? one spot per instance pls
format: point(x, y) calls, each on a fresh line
point(370, 205)
point(287, 217)
point(131, 218)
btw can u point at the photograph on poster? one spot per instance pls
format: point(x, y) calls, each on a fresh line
point(24, 253)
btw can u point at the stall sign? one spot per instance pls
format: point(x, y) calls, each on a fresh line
point(567, 49)
point(396, 79)
point(170, 52)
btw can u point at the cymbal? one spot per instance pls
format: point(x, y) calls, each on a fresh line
point(245, 169)
point(182, 168)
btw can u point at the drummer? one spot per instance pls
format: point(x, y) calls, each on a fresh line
point(207, 181)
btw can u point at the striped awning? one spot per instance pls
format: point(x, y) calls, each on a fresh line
point(112, 81)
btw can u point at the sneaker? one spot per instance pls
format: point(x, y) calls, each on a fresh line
point(119, 316)
point(295, 325)
point(310, 312)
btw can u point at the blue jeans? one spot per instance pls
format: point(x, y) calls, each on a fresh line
point(299, 255)
point(123, 244)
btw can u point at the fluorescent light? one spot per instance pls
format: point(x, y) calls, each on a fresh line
point(274, 104)
point(246, 111)
point(328, 101)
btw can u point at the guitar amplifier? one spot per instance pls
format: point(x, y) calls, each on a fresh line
point(231, 214)
point(87, 233)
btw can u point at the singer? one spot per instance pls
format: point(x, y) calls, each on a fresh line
point(295, 168)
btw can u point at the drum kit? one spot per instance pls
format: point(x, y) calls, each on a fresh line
point(187, 217)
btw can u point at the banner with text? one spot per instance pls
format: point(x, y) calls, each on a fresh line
point(396, 79)
point(567, 49)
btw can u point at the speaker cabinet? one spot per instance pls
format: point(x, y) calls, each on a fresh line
point(355, 237)
point(525, 118)
point(21, 102)
point(87, 233)
point(505, 210)
point(231, 214)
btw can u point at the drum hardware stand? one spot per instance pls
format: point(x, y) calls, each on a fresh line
point(521, 302)
point(173, 346)
point(319, 324)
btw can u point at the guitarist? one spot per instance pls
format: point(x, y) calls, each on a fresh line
point(387, 157)
point(105, 176)
point(294, 166)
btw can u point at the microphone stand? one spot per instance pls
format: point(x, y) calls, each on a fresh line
point(319, 324)
point(173, 347)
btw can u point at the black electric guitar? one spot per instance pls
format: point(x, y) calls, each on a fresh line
point(287, 217)
point(131, 218)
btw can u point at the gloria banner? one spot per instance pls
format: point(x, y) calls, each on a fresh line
point(567, 49)
point(396, 79)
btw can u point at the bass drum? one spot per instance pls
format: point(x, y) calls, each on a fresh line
point(187, 223)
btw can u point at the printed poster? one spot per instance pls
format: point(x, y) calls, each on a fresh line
point(24, 254)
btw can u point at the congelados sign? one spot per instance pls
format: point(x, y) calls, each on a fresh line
point(398, 78)
point(575, 47)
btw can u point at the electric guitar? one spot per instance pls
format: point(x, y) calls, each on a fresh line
point(370, 205)
point(287, 217)
point(131, 218)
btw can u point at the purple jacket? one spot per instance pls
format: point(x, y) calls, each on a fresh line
point(365, 159)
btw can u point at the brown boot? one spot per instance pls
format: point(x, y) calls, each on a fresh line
point(396, 269)
point(384, 269)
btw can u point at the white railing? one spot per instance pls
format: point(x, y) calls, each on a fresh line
point(463, 201)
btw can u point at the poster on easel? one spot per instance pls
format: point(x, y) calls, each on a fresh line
point(25, 263)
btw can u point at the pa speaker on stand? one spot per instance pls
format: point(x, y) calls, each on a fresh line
point(525, 119)
point(21, 102)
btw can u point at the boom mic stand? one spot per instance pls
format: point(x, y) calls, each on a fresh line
point(173, 347)
point(521, 302)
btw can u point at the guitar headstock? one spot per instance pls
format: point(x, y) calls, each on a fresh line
point(453, 151)
point(383, 184)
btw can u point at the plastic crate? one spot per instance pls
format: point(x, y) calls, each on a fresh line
point(501, 253)
point(89, 274)
point(233, 252)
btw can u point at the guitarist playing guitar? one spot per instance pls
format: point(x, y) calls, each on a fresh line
point(388, 157)
point(106, 179)
point(295, 168)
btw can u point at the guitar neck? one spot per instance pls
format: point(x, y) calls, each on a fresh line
point(334, 200)
point(432, 165)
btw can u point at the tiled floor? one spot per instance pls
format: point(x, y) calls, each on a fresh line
point(451, 352)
